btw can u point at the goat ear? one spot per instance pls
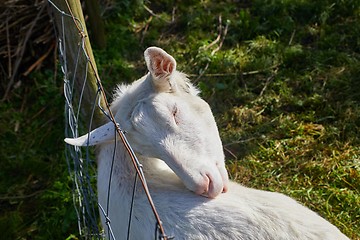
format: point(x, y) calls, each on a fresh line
point(160, 65)
point(102, 134)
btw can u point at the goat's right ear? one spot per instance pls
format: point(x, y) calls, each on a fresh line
point(160, 65)
point(102, 134)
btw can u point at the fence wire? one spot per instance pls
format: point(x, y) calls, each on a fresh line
point(81, 164)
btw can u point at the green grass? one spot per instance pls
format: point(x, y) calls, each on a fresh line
point(35, 188)
point(284, 88)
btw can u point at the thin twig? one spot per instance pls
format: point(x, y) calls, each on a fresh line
point(145, 29)
point(292, 37)
point(19, 197)
point(173, 13)
point(218, 37)
point(268, 80)
point(230, 152)
point(221, 36)
point(8, 47)
point(235, 73)
point(39, 61)
point(222, 40)
point(155, 15)
point(55, 58)
point(240, 141)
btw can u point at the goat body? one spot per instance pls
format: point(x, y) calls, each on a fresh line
point(174, 134)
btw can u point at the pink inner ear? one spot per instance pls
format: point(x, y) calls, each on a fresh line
point(169, 66)
point(159, 63)
point(162, 66)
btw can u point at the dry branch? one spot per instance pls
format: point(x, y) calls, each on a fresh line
point(25, 35)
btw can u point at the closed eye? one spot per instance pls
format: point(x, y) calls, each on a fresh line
point(175, 115)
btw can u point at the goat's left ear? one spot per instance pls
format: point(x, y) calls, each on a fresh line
point(160, 65)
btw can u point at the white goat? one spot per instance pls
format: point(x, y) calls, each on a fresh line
point(166, 121)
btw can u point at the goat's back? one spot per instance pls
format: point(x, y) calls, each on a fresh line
point(241, 213)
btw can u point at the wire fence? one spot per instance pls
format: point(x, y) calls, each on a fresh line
point(81, 164)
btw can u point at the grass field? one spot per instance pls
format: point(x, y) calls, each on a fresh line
point(282, 77)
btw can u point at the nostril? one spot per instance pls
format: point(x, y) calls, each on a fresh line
point(216, 185)
point(207, 183)
point(203, 188)
point(212, 191)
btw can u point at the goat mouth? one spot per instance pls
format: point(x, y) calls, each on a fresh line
point(207, 180)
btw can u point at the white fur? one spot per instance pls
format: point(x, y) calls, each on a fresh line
point(165, 119)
